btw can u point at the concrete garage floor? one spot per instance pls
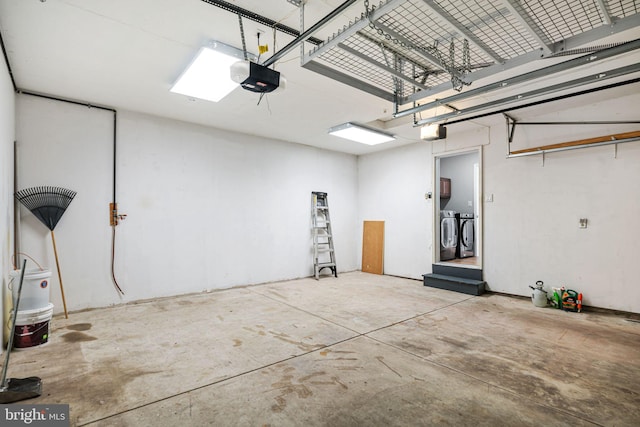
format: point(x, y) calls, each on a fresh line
point(354, 351)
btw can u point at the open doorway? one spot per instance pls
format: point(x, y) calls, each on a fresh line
point(457, 209)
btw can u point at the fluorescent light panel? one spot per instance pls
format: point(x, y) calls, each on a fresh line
point(208, 76)
point(361, 134)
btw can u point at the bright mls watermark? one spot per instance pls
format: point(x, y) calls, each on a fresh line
point(34, 415)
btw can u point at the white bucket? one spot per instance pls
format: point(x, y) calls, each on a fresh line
point(35, 288)
point(32, 327)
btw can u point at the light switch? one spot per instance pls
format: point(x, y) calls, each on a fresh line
point(583, 222)
point(488, 198)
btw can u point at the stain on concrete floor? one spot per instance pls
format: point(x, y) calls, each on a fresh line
point(313, 356)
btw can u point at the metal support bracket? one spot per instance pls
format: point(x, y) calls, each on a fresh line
point(511, 128)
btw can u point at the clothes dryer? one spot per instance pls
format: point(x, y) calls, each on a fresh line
point(448, 235)
point(466, 243)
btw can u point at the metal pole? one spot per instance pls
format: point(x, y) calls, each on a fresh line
point(3, 384)
point(6, 60)
point(613, 122)
point(304, 36)
point(574, 147)
point(542, 72)
point(301, 7)
point(229, 7)
point(16, 208)
point(606, 75)
point(115, 129)
point(544, 101)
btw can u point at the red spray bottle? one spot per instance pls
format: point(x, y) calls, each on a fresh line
point(579, 302)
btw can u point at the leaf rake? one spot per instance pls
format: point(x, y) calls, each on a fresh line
point(48, 204)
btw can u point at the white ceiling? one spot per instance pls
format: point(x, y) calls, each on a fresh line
point(126, 54)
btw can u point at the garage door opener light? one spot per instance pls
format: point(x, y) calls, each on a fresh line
point(431, 132)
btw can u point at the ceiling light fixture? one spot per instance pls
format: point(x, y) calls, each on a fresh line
point(207, 76)
point(361, 134)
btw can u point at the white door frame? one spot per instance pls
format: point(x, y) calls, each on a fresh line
point(478, 207)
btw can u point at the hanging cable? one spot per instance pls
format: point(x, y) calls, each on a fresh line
point(113, 260)
point(13, 260)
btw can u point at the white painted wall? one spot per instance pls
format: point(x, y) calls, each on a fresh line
point(392, 187)
point(207, 209)
point(531, 229)
point(460, 170)
point(68, 146)
point(211, 209)
point(7, 136)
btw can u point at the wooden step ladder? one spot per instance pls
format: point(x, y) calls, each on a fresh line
point(323, 253)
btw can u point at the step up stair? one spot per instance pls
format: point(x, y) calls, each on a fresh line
point(465, 280)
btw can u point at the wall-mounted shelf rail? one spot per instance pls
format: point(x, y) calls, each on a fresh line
point(618, 138)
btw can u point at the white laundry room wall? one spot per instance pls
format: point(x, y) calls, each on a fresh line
point(459, 169)
point(206, 209)
point(7, 133)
